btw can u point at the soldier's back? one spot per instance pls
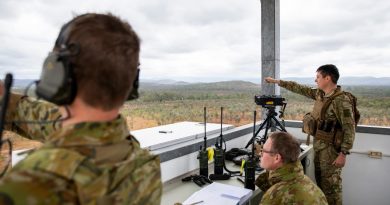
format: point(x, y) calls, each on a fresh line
point(300, 191)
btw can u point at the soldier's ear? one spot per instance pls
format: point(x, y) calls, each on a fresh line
point(278, 158)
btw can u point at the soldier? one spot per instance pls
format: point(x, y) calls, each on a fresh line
point(88, 155)
point(333, 128)
point(284, 181)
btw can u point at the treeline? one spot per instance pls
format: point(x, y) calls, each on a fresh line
point(164, 104)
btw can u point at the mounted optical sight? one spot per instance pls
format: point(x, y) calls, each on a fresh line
point(269, 100)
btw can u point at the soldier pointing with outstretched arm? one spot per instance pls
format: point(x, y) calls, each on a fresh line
point(332, 123)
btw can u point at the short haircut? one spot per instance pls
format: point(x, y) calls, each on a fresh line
point(106, 64)
point(286, 145)
point(329, 70)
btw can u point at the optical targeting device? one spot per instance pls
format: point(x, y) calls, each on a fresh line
point(269, 100)
point(271, 122)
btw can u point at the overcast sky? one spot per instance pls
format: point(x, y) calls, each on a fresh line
point(207, 40)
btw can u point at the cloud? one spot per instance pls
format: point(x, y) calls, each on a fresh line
point(211, 39)
point(350, 34)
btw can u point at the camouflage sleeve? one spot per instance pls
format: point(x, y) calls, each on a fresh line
point(30, 118)
point(299, 89)
point(30, 187)
point(344, 114)
point(262, 181)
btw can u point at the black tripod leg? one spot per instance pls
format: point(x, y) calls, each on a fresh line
point(264, 138)
point(257, 132)
point(280, 125)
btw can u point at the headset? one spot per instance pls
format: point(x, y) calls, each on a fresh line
point(57, 83)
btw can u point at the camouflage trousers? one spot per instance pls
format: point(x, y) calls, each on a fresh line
point(328, 177)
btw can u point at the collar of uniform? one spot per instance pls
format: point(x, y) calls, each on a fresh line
point(287, 172)
point(91, 133)
point(338, 88)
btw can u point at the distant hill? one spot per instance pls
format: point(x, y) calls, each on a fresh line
point(234, 84)
point(385, 81)
point(21, 83)
point(201, 87)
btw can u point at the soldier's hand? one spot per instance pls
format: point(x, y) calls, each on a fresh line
point(271, 80)
point(340, 161)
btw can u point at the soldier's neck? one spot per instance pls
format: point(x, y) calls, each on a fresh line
point(81, 112)
point(329, 89)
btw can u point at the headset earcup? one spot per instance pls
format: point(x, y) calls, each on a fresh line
point(134, 90)
point(56, 83)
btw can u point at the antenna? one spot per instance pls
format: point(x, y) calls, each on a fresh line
point(254, 134)
point(4, 104)
point(205, 135)
point(220, 136)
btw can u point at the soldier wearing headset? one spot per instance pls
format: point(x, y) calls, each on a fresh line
point(88, 155)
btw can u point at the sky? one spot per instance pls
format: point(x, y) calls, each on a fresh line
point(211, 40)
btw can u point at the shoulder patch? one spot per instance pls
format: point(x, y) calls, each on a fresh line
point(62, 162)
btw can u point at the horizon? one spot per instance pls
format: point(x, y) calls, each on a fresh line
point(252, 80)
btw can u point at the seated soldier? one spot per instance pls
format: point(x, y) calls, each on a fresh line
point(88, 155)
point(284, 182)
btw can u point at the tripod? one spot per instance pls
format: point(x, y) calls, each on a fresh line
point(269, 122)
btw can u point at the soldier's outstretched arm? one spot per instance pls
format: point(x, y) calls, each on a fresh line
point(30, 118)
point(294, 87)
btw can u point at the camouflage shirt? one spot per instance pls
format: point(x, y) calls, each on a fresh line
point(289, 185)
point(339, 110)
point(84, 163)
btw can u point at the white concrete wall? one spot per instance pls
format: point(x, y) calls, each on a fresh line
point(366, 180)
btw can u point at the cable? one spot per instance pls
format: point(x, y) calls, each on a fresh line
point(28, 87)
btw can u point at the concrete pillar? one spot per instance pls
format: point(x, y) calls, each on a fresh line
point(270, 45)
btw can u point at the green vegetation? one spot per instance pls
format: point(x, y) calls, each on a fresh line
point(166, 104)
point(161, 104)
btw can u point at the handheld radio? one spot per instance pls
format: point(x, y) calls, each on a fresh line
point(203, 157)
point(219, 153)
point(219, 158)
point(250, 165)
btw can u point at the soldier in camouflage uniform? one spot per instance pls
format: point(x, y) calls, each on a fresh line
point(333, 135)
point(88, 155)
point(284, 182)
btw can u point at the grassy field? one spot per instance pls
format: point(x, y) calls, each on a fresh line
point(168, 104)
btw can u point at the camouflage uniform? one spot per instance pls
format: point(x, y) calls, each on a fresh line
point(85, 163)
point(289, 185)
point(328, 176)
